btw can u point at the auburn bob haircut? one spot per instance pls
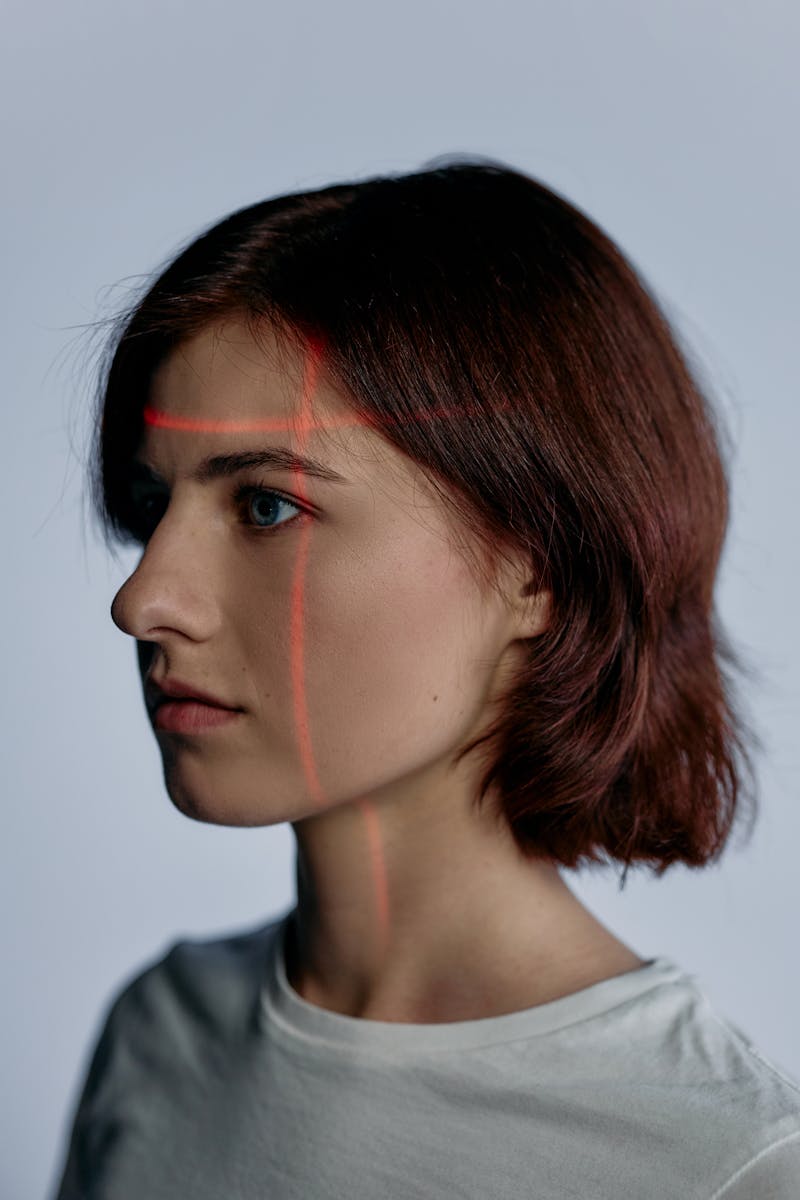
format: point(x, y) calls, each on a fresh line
point(492, 332)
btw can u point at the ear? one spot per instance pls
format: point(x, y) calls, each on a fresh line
point(530, 604)
point(534, 610)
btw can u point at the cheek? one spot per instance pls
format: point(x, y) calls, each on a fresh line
point(393, 670)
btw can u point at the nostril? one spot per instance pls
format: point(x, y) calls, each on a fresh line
point(146, 652)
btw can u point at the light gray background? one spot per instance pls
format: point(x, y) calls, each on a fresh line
point(129, 127)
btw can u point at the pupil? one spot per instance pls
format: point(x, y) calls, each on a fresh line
point(269, 501)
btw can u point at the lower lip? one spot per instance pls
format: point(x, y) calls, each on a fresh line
point(190, 716)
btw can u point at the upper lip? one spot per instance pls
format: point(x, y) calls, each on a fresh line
point(174, 689)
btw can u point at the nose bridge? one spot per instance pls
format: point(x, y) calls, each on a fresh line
point(171, 586)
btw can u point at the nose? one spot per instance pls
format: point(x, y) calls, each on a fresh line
point(169, 591)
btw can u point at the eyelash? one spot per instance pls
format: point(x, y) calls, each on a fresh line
point(241, 496)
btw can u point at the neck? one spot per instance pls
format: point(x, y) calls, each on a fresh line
point(436, 930)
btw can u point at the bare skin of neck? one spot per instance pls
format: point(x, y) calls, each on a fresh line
point(476, 965)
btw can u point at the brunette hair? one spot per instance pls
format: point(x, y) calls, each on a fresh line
point(493, 333)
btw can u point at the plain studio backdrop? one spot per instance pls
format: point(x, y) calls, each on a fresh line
point(127, 129)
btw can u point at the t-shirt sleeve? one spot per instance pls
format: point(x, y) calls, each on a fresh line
point(773, 1174)
point(75, 1178)
point(93, 1132)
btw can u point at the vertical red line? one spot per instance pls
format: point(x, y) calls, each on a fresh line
point(371, 822)
point(297, 617)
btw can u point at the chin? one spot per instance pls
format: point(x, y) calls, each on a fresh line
point(212, 812)
point(191, 804)
point(209, 814)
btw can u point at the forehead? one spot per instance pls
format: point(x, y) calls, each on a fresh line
point(227, 388)
point(226, 369)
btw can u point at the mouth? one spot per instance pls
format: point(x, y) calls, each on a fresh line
point(189, 715)
point(170, 691)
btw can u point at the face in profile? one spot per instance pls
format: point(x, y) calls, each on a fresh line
point(336, 615)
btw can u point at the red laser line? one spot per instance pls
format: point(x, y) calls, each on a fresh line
point(162, 420)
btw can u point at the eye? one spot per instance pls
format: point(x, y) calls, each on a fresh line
point(263, 502)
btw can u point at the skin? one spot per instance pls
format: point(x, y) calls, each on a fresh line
point(410, 905)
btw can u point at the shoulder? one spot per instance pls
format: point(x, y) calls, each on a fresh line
point(737, 1113)
point(175, 1019)
point(766, 1104)
point(208, 985)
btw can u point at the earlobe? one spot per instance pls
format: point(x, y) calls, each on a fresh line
point(535, 610)
point(542, 603)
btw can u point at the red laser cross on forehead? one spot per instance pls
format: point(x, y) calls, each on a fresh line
point(305, 425)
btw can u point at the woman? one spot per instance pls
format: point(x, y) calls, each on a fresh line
point(430, 509)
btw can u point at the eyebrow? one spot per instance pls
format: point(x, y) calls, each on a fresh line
point(276, 458)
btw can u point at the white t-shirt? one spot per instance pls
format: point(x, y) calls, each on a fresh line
point(212, 1079)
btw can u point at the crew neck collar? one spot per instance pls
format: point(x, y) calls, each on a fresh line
point(297, 1017)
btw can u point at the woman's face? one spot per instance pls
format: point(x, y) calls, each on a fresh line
point(355, 639)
